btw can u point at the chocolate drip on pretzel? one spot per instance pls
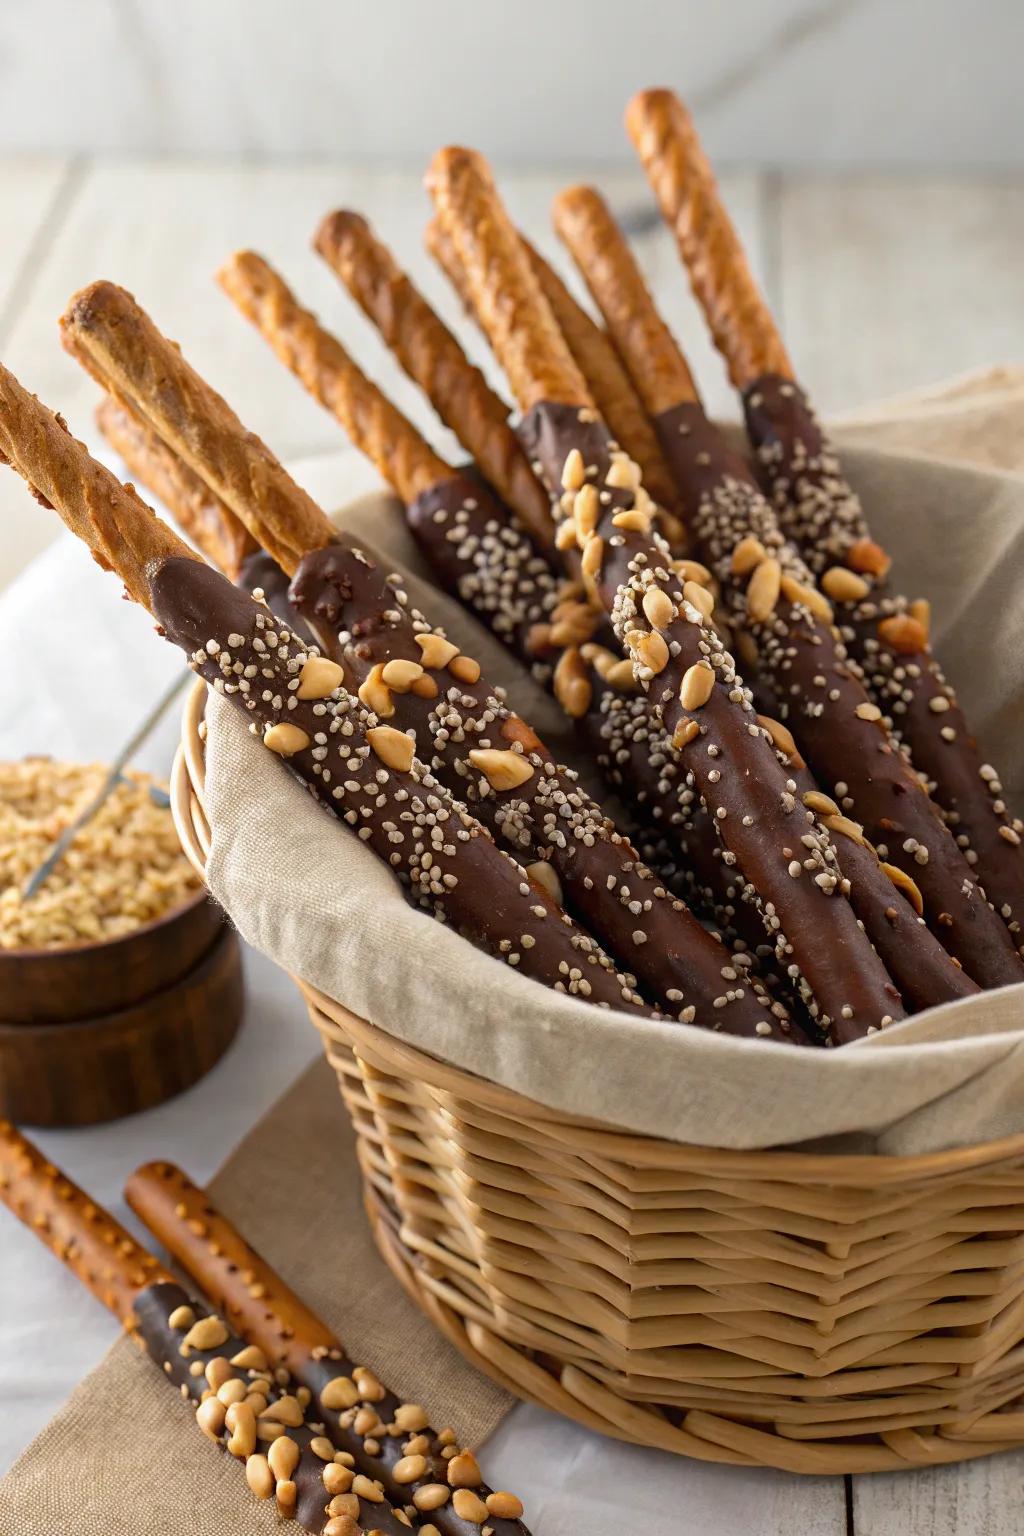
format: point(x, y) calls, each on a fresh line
point(241, 1402)
point(386, 1439)
point(820, 513)
point(689, 676)
point(783, 623)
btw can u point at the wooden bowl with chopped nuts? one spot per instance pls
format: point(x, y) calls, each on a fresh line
point(120, 980)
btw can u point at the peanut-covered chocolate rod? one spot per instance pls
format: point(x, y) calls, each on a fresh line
point(388, 1440)
point(415, 679)
point(364, 772)
point(225, 541)
point(434, 359)
point(800, 671)
point(820, 512)
point(242, 1403)
point(609, 383)
point(690, 678)
point(622, 742)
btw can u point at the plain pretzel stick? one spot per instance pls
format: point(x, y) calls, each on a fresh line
point(820, 512)
point(116, 341)
point(239, 1402)
point(690, 679)
point(389, 1441)
point(224, 540)
point(434, 359)
point(799, 667)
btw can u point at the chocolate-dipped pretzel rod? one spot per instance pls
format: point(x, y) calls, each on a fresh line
point(597, 360)
point(242, 1401)
point(389, 1441)
point(416, 680)
point(364, 772)
point(801, 672)
point(821, 513)
point(690, 678)
point(486, 557)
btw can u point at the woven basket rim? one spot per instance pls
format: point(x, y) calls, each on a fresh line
point(188, 784)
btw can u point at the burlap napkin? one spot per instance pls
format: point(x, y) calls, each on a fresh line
point(124, 1455)
point(958, 535)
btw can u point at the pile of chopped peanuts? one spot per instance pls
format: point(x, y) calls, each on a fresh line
point(125, 868)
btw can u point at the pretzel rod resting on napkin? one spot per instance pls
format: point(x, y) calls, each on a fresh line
point(799, 669)
point(388, 1440)
point(820, 512)
point(242, 1402)
point(415, 679)
point(611, 386)
point(366, 773)
point(691, 681)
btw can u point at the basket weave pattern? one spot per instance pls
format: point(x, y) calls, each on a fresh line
point(786, 1309)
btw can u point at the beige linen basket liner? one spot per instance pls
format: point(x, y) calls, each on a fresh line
point(819, 1314)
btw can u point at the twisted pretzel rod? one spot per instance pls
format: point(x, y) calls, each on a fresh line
point(800, 669)
point(239, 1401)
point(821, 513)
point(389, 1441)
point(115, 341)
point(691, 681)
point(364, 773)
point(611, 386)
point(224, 540)
point(483, 753)
point(118, 527)
point(744, 331)
point(434, 359)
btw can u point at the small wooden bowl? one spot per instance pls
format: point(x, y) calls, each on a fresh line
point(99, 1030)
point(51, 986)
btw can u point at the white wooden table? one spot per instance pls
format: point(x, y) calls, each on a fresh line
point(881, 285)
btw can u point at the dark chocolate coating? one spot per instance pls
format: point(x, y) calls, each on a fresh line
point(436, 849)
point(154, 1307)
point(819, 692)
point(819, 511)
point(632, 749)
point(734, 767)
point(548, 818)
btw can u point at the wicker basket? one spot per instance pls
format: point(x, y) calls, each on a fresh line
point(782, 1309)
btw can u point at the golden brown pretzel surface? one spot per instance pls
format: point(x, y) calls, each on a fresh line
point(585, 224)
point(119, 529)
point(506, 296)
point(433, 357)
point(745, 333)
point(223, 539)
point(96, 1248)
point(116, 341)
